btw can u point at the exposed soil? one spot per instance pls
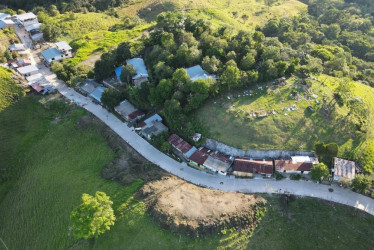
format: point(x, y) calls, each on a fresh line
point(188, 209)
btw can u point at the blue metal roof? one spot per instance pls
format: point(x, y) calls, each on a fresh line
point(190, 152)
point(197, 73)
point(97, 93)
point(2, 24)
point(153, 118)
point(3, 15)
point(141, 70)
point(50, 53)
point(118, 72)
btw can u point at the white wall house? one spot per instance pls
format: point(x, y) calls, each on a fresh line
point(27, 19)
point(65, 48)
point(28, 70)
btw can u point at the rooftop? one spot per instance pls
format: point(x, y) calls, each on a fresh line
point(154, 128)
point(218, 162)
point(4, 15)
point(50, 53)
point(344, 168)
point(289, 165)
point(200, 155)
point(97, 93)
point(125, 108)
point(258, 166)
point(179, 144)
point(141, 70)
point(155, 117)
point(27, 69)
point(17, 46)
point(63, 46)
point(34, 26)
point(197, 73)
point(136, 114)
point(89, 85)
point(26, 16)
point(4, 23)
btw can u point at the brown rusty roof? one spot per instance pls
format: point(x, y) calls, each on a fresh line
point(200, 156)
point(288, 165)
point(258, 166)
point(179, 144)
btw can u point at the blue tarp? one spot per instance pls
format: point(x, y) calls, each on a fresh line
point(97, 93)
point(118, 72)
point(190, 152)
point(153, 118)
point(50, 53)
point(197, 73)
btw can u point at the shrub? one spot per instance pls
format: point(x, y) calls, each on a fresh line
point(361, 183)
point(278, 176)
point(319, 172)
point(295, 177)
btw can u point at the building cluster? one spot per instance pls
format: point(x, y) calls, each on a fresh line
point(27, 21)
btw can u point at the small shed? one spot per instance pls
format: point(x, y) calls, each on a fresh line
point(28, 70)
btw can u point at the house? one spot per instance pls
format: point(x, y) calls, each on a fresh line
point(141, 71)
point(219, 163)
point(295, 165)
point(196, 73)
point(344, 169)
point(97, 93)
point(128, 111)
point(6, 23)
point(33, 26)
point(4, 16)
point(27, 19)
point(64, 48)
point(17, 47)
point(52, 54)
point(154, 128)
point(153, 118)
point(37, 78)
point(36, 35)
point(199, 157)
point(18, 62)
point(181, 146)
point(28, 70)
point(88, 86)
point(244, 167)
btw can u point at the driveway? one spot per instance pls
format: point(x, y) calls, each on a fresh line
point(225, 183)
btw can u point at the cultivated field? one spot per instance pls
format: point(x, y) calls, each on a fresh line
point(296, 116)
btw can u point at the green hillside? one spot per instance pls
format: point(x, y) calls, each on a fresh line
point(232, 122)
point(9, 90)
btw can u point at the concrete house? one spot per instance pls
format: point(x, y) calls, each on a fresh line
point(344, 170)
point(196, 73)
point(219, 163)
point(51, 55)
point(28, 70)
point(243, 167)
point(128, 112)
point(295, 165)
point(27, 19)
point(153, 129)
point(65, 49)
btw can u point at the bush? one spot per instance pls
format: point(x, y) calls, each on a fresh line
point(278, 176)
point(319, 172)
point(361, 183)
point(295, 177)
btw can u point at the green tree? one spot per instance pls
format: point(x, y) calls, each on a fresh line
point(111, 98)
point(51, 32)
point(248, 61)
point(319, 172)
point(367, 159)
point(361, 183)
point(93, 217)
point(128, 71)
point(230, 78)
point(211, 64)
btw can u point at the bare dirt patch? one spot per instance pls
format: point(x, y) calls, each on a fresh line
point(185, 208)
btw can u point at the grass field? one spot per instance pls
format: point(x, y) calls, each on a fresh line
point(230, 120)
point(59, 160)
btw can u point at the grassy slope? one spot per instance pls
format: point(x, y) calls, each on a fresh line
point(9, 91)
point(62, 161)
point(218, 11)
point(300, 129)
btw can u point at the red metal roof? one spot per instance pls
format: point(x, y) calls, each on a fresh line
point(258, 166)
point(37, 87)
point(200, 156)
point(288, 165)
point(179, 144)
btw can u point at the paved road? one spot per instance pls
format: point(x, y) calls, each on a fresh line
point(302, 188)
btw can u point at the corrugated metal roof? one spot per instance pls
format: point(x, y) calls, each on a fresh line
point(190, 152)
point(63, 45)
point(50, 53)
point(97, 93)
point(344, 168)
point(17, 46)
point(179, 144)
point(155, 117)
point(259, 166)
point(139, 65)
point(27, 69)
point(217, 163)
point(26, 16)
point(197, 73)
point(34, 26)
point(4, 15)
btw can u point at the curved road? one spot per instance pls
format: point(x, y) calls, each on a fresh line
point(301, 188)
